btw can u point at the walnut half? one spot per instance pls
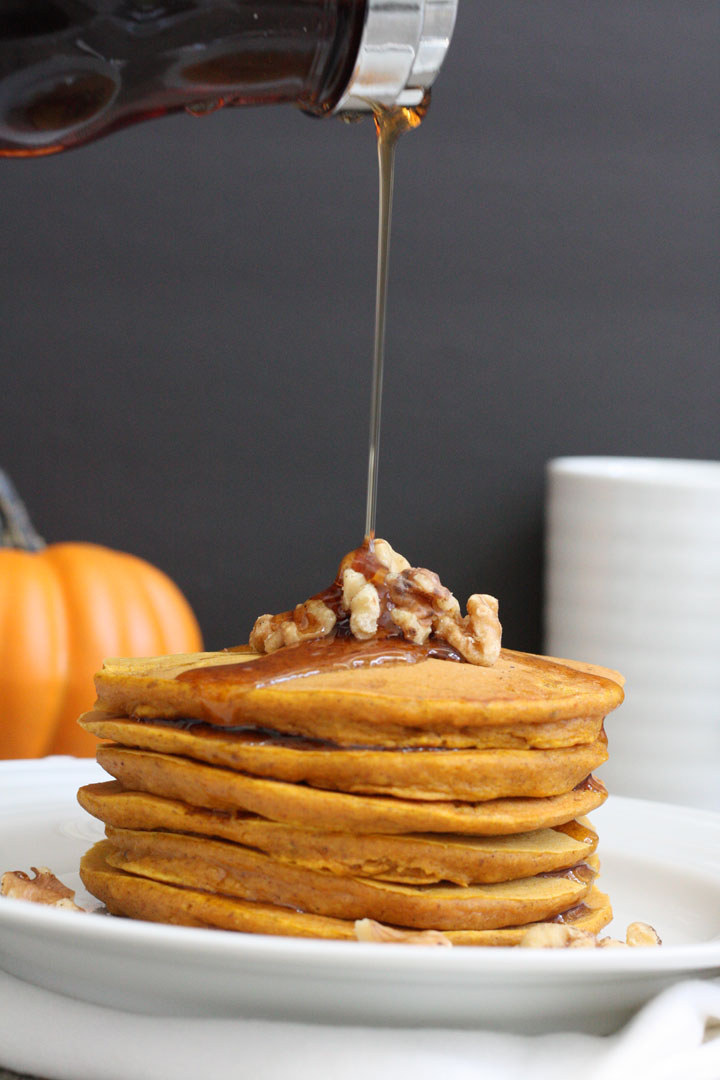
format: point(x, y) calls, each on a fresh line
point(369, 930)
point(641, 933)
point(44, 888)
point(307, 621)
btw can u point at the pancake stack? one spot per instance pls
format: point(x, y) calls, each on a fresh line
point(426, 796)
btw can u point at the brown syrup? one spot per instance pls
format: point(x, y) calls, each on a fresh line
point(591, 783)
point(582, 874)
point(574, 829)
point(390, 124)
point(256, 736)
point(336, 653)
point(572, 914)
point(242, 733)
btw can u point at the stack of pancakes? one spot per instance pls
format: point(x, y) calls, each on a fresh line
point(435, 795)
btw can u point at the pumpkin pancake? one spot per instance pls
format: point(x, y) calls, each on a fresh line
point(141, 898)
point(413, 859)
point(233, 870)
point(545, 736)
point(215, 788)
point(429, 703)
point(467, 775)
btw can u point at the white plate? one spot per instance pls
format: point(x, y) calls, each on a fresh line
point(661, 864)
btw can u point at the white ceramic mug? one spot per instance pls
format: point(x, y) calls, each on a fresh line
point(633, 582)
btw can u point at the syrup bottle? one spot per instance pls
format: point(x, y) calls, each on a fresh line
point(74, 70)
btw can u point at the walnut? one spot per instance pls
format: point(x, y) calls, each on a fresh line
point(444, 603)
point(476, 637)
point(415, 626)
point(44, 888)
point(312, 619)
point(420, 585)
point(389, 558)
point(317, 617)
point(459, 635)
point(485, 625)
point(369, 930)
point(263, 635)
point(556, 936)
point(420, 600)
point(364, 612)
point(562, 936)
point(352, 581)
point(641, 933)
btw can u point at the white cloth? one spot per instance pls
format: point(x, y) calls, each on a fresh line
point(61, 1039)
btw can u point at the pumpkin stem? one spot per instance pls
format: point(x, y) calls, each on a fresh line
point(16, 528)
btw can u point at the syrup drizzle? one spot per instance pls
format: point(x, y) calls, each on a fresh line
point(390, 124)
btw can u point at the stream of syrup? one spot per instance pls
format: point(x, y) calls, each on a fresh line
point(390, 124)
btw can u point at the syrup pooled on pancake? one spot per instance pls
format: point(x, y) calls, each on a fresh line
point(337, 652)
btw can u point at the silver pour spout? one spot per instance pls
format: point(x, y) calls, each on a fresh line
point(402, 49)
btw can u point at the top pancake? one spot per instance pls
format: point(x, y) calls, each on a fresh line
point(432, 703)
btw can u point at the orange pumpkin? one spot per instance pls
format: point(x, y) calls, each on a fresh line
point(63, 609)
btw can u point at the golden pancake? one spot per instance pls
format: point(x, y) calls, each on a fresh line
point(214, 788)
point(467, 775)
point(142, 898)
point(413, 859)
point(233, 870)
point(430, 703)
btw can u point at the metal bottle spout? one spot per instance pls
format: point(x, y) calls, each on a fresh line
point(403, 46)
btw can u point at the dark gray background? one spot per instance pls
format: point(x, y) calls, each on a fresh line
point(187, 313)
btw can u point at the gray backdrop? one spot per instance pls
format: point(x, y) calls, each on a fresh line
point(187, 313)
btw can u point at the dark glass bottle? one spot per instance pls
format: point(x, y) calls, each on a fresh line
point(73, 70)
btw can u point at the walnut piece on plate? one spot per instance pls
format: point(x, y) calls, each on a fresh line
point(378, 933)
point(43, 888)
point(562, 936)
